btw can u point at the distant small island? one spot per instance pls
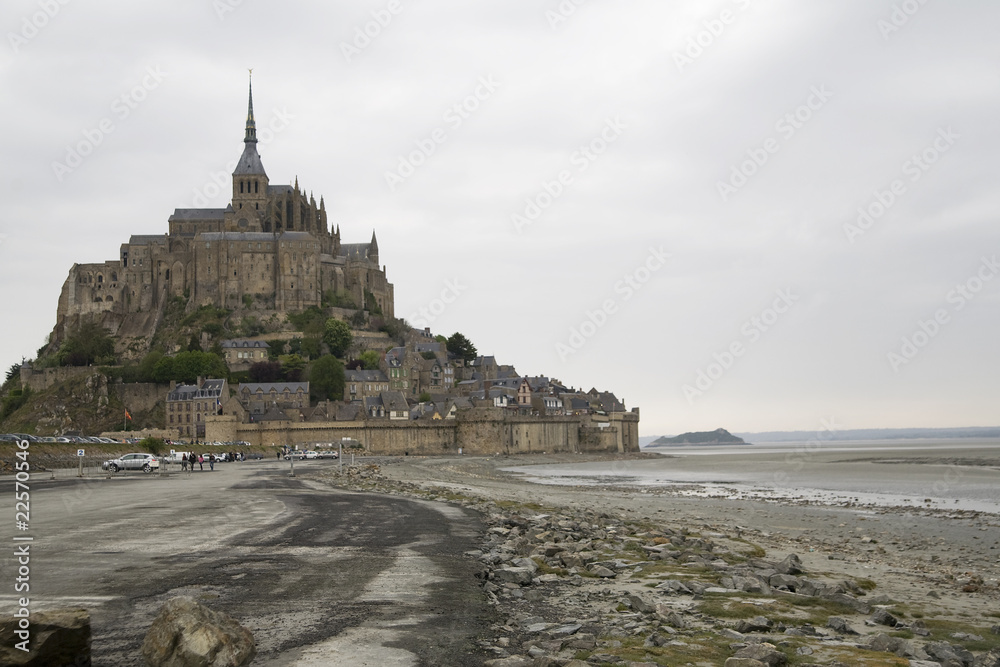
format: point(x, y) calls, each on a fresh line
point(719, 436)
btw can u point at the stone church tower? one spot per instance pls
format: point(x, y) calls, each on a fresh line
point(270, 249)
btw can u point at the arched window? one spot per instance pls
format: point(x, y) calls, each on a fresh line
point(255, 184)
point(241, 187)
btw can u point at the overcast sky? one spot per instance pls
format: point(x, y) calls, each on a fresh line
point(656, 199)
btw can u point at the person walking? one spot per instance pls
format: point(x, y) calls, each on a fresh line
point(278, 453)
point(211, 462)
point(184, 462)
point(201, 463)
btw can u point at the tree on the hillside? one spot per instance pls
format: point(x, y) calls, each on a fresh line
point(266, 371)
point(89, 344)
point(337, 336)
point(292, 367)
point(194, 344)
point(13, 372)
point(187, 367)
point(424, 397)
point(326, 378)
point(460, 345)
point(312, 347)
point(370, 359)
point(148, 364)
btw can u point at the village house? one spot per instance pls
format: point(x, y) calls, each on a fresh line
point(241, 354)
point(189, 405)
point(258, 397)
point(362, 384)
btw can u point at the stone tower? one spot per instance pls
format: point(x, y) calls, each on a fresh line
point(249, 180)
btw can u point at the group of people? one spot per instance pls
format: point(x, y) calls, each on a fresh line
point(200, 460)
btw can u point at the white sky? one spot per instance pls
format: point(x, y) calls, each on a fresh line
point(677, 124)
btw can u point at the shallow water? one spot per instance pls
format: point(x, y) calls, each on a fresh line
point(961, 474)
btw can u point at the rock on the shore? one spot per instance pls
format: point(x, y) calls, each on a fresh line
point(755, 624)
point(58, 637)
point(991, 659)
point(949, 655)
point(765, 654)
point(189, 634)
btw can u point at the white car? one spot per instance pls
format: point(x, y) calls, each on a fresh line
point(144, 462)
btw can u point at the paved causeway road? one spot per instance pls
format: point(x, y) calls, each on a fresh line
point(320, 576)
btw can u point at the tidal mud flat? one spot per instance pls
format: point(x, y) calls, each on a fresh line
point(635, 575)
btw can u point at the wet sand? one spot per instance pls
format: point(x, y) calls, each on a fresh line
point(946, 560)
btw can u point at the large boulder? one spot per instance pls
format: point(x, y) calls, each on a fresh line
point(790, 565)
point(764, 653)
point(58, 637)
point(189, 634)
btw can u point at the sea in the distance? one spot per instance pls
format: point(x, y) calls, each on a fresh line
point(950, 474)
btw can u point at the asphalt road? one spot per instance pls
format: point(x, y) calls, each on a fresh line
point(320, 576)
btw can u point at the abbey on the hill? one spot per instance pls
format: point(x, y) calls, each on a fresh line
point(270, 248)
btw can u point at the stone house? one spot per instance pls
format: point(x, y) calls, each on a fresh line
point(259, 397)
point(362, 384)
point(188, 406)
point(241, 354)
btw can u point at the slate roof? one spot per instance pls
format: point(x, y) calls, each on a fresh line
point(198, 214)
point(365, 376)
point(244, 343)
point(278, 387)
point(250, 164)
point(395, 401)
point(189, 392)
point(147, 239)
point(355, 250)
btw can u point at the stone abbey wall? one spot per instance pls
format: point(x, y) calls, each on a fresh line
point(484, 431)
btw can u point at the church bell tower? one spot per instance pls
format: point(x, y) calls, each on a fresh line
point(249, 179)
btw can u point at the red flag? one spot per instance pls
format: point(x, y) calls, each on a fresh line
point(127, 415)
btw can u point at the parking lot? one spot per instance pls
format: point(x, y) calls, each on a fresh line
point(320, 576)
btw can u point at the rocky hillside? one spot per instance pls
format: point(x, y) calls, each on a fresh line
point(87, 404)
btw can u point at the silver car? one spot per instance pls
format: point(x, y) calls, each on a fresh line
point(144, 462)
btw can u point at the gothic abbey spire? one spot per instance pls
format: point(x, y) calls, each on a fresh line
point(250, 164)
point(251, 130)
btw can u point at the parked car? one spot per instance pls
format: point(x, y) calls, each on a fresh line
point(255, 456)
point(327, 454)
point(297, 454)
point(144, 462)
